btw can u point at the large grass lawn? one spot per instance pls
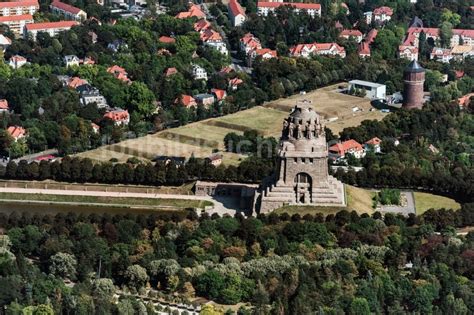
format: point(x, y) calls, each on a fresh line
point(425, 201)
point(107, 201)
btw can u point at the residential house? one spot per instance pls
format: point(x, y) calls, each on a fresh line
point(166, 40)
point(5, 42)
point(321, 49)
point(461, 52)
point(249, 42)
point(213, 39)
point(202, 25)
point(4, 108)
point(408, 52)
point(170, 71)
point(17, 61)
point(236, 13)
point(312, 9)
point(193, 11)
point(373, 145)
point(382, 14)
point(355, 34)
point(10, 8)
point(215, 159)
point(119, 73)
point(52, 28)
point(465, 100)
point(117, 45)
point(16, 23)
point(95, 128)
point(119, 116)
point(71, 60)
point(204, 99)
point(441, 54)
point(199, 73)
point(90, 94)
point(219, 94)
point(68, 11)
point(186, 100)
point(16, 132)
point(369, 15)
point(363, 50)
point(340, 150)
point(76, 82)
point(234, 83)
point(264, 53)
point(371, 35)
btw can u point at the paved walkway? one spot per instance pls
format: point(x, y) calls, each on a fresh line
point(409, 208)
point(220, 207)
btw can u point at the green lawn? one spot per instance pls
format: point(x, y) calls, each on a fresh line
point(425, 201)
point(177, 203)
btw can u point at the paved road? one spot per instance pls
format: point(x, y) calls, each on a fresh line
point(31, 157)
point(409, 208)
point(220, 206)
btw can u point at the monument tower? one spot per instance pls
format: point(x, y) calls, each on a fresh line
point(414, 78)
point(301, 177)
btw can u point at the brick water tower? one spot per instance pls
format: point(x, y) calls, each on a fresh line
point(414, 78)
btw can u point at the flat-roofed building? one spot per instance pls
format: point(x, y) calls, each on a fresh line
point(372, 90)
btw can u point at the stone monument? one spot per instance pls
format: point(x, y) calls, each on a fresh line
point(301, 177)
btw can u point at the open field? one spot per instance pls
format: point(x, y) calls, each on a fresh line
point(425, 201)
point(358, 199)
point(200, 138)
point(107, 201)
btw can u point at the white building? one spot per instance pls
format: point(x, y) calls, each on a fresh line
point(16, 23)
point(19, 7)
point(52, 28)
point(68, 11)
point(322, 49)
point(264, 8)
point(372, 90)
point(408, 52)
point(199, 73)
point(5, 42)
point(17, 61)
point(236, 13)
point(71, 60)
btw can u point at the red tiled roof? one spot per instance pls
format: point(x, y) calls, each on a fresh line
point(4, 104)
point(296, 50)
point(211, 35)
point(220, 94)
point(412, 49)
point(363, 49)
point(342, 148)
point(16, 131)
point(116, 69)
point(25, 3)
point(355, 33)
point(306, 6)
point(186, 100)
point(75, 82)
point(236, 8)
point(117, 115)
point(65, 7)
point(459, 74)
point(374, 141)
point(465, 99)
point(264, 51)
point(369, 39)
point(383, 10)
point(235, 81)
point(17, 58)
point(167, 40)
point(194, 11)
point(11, 18)
point(95, 126)
point(170, 71)
point(201, 25)
point(49, 25)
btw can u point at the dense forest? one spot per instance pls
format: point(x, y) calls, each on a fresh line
point(343, 263)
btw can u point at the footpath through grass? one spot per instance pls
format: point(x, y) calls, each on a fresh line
point(107, 201)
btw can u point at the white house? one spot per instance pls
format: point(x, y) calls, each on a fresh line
point(382, 14)
point(266, 7)
point(17, 61)
point(441, 54)
point(372, 90)
point(408, 52)
point(71, 60)
point(323, 49)
point(199, 73)
point(236, 13)
point(5, 42)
